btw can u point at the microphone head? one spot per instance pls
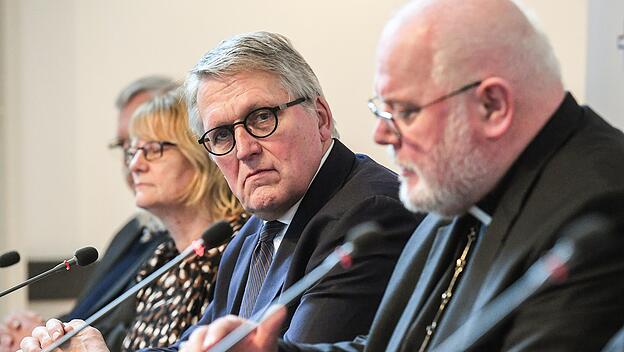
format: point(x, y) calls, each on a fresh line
point(217, 234)
point(363, 235)
point(86, 255)
point(9, 258)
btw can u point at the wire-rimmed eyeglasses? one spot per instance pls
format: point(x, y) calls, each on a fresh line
point(408, 115)
point(152, 150)
point(260, 123)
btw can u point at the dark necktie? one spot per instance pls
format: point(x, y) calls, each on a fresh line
point(259, 267)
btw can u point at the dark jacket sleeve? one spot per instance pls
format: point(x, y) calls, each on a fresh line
point(581, 313)
point(343, 303)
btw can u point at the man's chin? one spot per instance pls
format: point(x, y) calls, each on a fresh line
point(408, 202)
point(419, 199)
point(264, 208)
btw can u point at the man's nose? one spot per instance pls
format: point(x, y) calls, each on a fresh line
point(246, 144)
point(386, 134)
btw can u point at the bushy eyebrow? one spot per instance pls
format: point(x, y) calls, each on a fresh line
point(248, 109)
point(403, 105)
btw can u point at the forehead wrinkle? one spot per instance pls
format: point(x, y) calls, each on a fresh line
point(243, 92)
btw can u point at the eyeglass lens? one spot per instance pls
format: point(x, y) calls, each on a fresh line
point(151, 151)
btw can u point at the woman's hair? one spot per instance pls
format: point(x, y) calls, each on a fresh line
point(165, 118)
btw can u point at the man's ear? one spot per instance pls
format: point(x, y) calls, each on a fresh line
point(495, 106)
point(325, 120)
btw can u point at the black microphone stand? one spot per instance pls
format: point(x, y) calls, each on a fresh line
point(64, 266)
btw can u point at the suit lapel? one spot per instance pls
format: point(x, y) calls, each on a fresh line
point(403, 281)
point(128, 278)
point(328, 180)
point(128, 235)
point(117, 247)
point(442, 245)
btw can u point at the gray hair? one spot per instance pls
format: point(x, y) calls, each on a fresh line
point(154, 84)
point(256, 51)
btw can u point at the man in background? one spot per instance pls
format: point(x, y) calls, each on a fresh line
point(129, 248)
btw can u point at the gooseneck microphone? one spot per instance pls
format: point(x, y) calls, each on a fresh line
point(589, 234)
point(9, 258)
point(82, 257)
point(357, 239)
point(214, 236)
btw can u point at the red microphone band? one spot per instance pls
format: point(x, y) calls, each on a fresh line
point(556, 268)
point(345, 258)
point(67, 266)
point(198, 247)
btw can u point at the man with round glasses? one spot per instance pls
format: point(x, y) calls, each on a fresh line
point(262, 116)
point(259, 123)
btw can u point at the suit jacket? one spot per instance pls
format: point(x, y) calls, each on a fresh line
point(124, 239)
point(575, 160)
point(349, 189)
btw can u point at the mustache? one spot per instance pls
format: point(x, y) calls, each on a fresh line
point(402, 164)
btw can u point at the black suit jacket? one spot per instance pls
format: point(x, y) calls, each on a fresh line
point(575, 160)
point(349, 189)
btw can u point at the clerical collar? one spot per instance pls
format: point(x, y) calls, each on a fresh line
point(482, 216)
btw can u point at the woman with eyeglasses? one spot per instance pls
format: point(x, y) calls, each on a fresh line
point(175, 180)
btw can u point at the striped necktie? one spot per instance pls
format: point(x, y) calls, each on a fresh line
point(259, 267)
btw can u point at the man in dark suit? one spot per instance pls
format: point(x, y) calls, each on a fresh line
point(261, 114)
point(129, 248)
point(469, 97)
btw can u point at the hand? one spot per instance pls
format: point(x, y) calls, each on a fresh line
point(88, 340)
point(15, 327)
point(8, 342)
point(264, 338)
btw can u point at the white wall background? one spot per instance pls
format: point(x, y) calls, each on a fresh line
point(605, 62)
point(63, 62)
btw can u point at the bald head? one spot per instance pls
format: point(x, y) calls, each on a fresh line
point(479, 81)
point(473, 39)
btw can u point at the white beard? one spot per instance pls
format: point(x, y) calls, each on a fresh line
point(458, 171)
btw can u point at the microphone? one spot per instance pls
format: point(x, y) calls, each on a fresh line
point(82, 257)
point(214, 236)
point(587, 234)
point(358, 238)
point(9, 258)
